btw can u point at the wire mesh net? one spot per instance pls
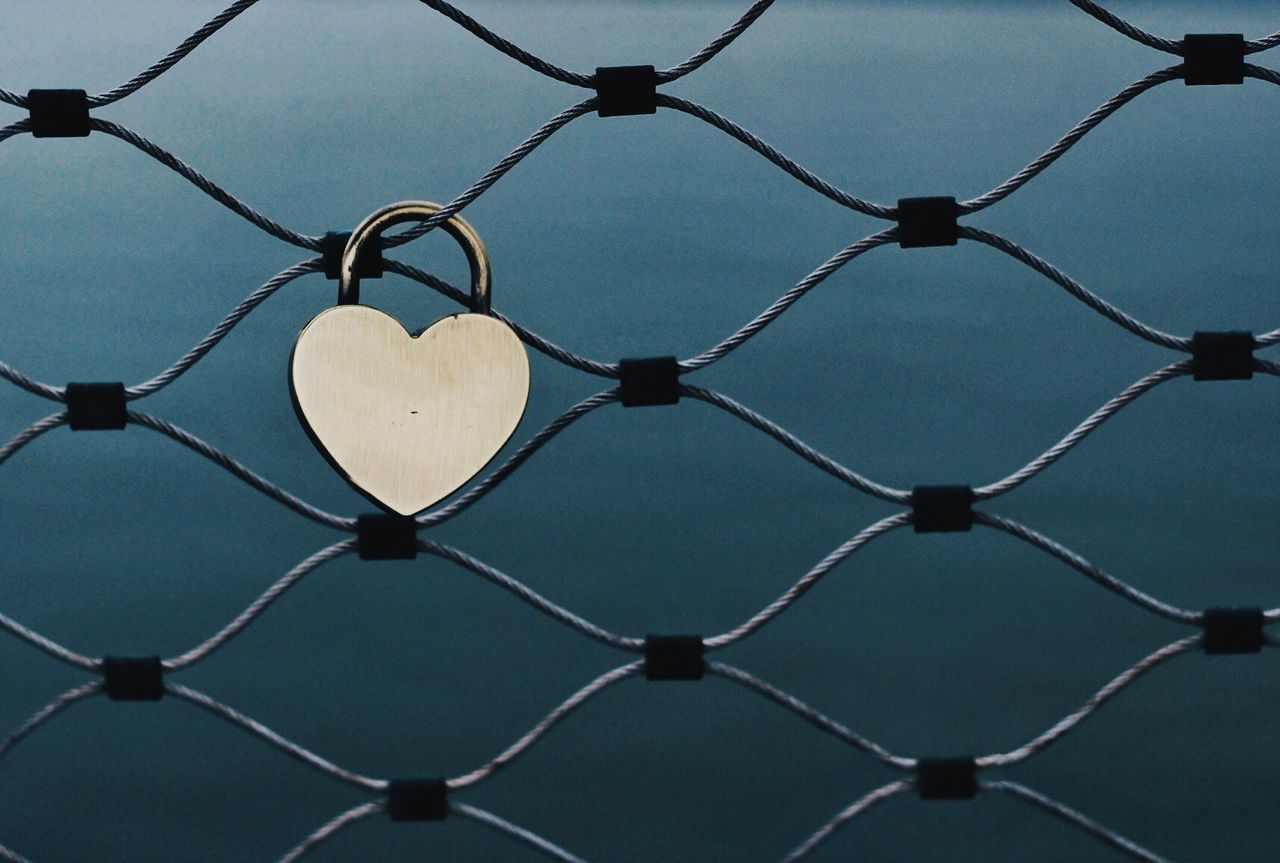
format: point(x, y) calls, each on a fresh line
point(1204, 356)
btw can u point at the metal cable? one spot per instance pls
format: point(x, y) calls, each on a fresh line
point(50, 710)
point(12, 856)
point(527, 837)
point(1093, 301)
point(1084, 567)
point(1074, 818)
point(531, 597)
point(1120, 25)
point(38, 641)
point(810, 578)
point(799, 447)
point(1080, 432)
point(331, 827)
point(611, 370)
point(259, 605)
point(1071, 720)
point(262, 732)
point(795, 169)
point(519, 457)
point(780, 305)
point(204, 184)
point(532, 339)
point(551, 719)
point(30, 433)
point(241, 472)
point(815, 718)
point(163, 65)
point(862, 804)
point(216, 335)
point(1067, 141)
point(579, 79)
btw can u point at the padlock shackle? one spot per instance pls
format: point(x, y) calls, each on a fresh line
point(415, 211)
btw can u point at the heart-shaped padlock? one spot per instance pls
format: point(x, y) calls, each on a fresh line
point(408, 419)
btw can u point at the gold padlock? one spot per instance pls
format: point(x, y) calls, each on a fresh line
point(408, 419)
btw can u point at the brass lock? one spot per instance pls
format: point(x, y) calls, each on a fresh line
point(408, 419)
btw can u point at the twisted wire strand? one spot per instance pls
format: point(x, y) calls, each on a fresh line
point(31, 385)
point(464, 810)
point(259, 605)
point(167, 62)
point(241, 472)
point(204, 184)
point(716, 45)
point(552, 719)
point(823, 833)
point(331, 827)
point(1081, 293)
point(1099, 698)
point(1261, 73)
point(531, 597)
point(1053, 807)
point(216, 335)
point(1081, 431)
point(192, 356)
point(47, 645)
point(780, 305)
point(512, 50)
point(786, 163)
point(1132, 31)
point(799, 447)
point(1253, 46)
point(156, 69)
point(1084, 567)
point(50, 710)
point(13, 129)
point(262, 732)
point(1169, 46)
point(30, 433)
point(535, 341)
point(519, 457)
point(515, 831)
point(201, 447)
point(578, 79)
point(11, 856)
point(1074, 818)
point(812, 577)
point(1067, 141)
point(814, 717)
point(527, 146)
point(1000, 759)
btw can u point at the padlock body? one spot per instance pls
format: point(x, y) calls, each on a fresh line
point(407, 419)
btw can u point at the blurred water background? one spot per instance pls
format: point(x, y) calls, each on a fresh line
point(643, 236)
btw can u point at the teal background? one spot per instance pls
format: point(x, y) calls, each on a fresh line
point(640, 236)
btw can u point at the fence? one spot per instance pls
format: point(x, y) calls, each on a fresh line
point(1198, 60)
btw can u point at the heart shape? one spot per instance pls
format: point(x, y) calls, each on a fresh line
point(408, 419)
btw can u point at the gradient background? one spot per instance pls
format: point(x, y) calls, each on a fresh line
point(642, 236)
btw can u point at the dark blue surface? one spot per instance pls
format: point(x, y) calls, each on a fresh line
point(633, 237)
